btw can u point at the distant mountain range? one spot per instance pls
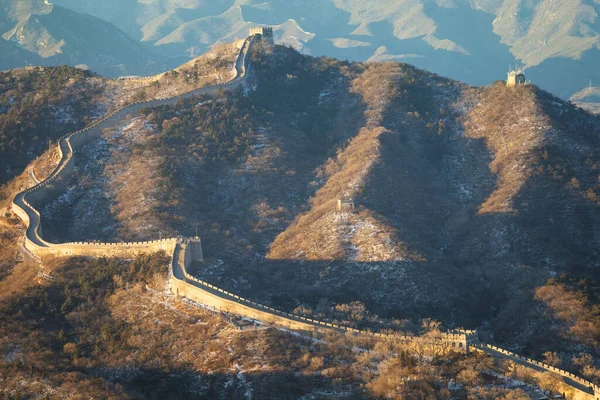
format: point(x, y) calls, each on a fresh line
point(588, 98)
point(470, 40)
point(38, 33)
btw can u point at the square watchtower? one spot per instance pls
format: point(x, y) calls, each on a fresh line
point(515, 78)
point(461, 339)
point(265, 33)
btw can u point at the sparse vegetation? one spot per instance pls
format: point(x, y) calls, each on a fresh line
point(467, 199)
point(37, 106)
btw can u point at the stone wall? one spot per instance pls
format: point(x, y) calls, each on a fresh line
point(119, 250)
point(219, 299)
point(25, 203)
point(203, 292)
point(594, 390)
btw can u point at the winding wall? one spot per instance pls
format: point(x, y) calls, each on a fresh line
point(183, 251)
point(25, 203)
point(185, 285)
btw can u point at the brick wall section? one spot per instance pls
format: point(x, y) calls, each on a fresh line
point(585, 389)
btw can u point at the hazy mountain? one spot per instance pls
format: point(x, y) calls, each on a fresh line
point(12, 56)
point(471, 40)
point(588, 98)
point(47, 34)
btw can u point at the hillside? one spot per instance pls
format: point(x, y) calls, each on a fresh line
point(38, 105)
point(107, 328)
point(468, 200)
point(472, 41)
point(48, 34)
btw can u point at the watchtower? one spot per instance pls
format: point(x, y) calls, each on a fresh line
point(194, 246)
point(460, 339)
point(345, 204)
point(516, 77)
point(263, 32)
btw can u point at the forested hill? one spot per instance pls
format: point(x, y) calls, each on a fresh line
point(467, 200)
point(38, 105)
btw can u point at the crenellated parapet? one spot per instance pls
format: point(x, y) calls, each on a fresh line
point(586, 388)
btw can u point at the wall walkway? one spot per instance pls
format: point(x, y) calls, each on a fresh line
point(185, 285)
point(25, 203)
point(185, 251)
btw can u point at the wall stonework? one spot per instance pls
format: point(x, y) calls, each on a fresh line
point(185, 285)
point(515, 78)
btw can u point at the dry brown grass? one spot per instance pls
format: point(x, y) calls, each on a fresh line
point(513, 126)
point(581, 320)
point(17, 271)
point(208, 69)
point(46, 163)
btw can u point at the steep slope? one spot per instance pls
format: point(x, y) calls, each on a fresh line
point(39, 105)
point(467, 199)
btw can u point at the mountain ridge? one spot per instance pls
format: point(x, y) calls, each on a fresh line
point(469, 41)
point(474, 206)
point(461, 193)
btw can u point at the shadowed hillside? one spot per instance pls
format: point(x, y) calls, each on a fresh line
point(467, 199)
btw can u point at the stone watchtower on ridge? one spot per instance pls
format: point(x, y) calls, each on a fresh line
point(461, 339)
point(516, 77)
point(263, 33)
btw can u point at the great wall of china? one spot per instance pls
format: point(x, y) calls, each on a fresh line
point(185, 251)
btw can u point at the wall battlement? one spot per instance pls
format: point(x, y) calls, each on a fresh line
point(186, 285)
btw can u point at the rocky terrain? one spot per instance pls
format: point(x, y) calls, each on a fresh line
point(474, 206)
